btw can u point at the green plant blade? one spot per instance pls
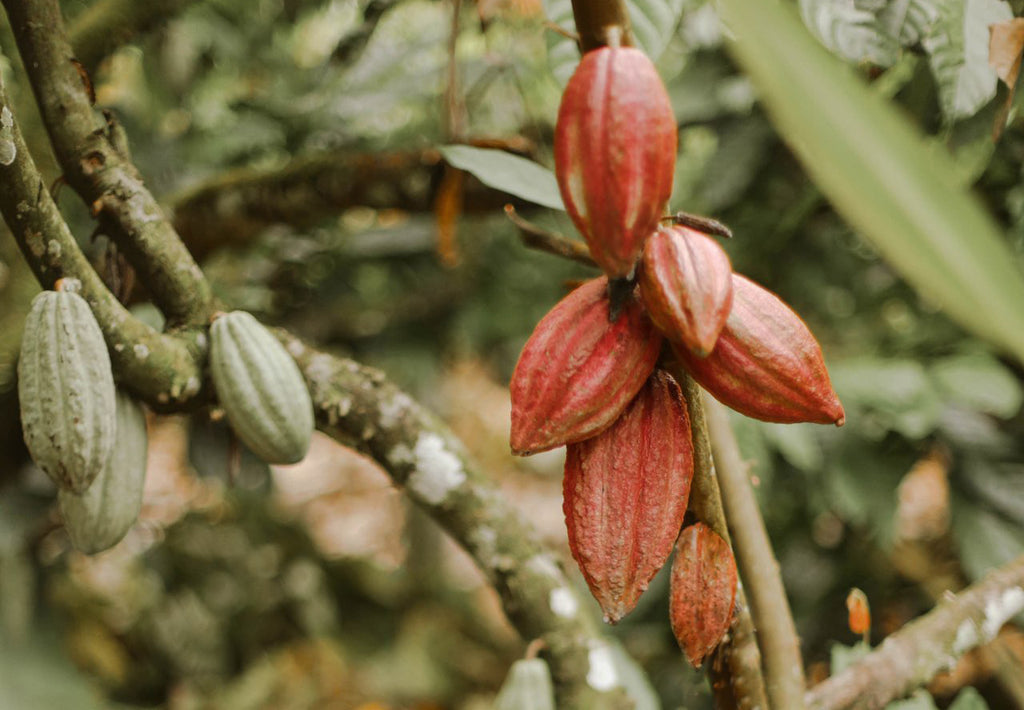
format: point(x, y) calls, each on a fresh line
point(506, 172)
point(880, 175)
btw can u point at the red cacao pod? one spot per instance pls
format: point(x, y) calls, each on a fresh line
point(686, 286)
point(703, 591)
point(615, 153)
point(625, 493)
point(766, 364)
point(578, 370)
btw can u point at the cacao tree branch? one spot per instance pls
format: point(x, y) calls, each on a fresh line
point(928, 645)
point(759, 570)
point(165, 370)
point(105, 179)
point(107, 24)
point(353, 404)
point(232, 208)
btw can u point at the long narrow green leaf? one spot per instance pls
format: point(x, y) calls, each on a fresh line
point(879, 174)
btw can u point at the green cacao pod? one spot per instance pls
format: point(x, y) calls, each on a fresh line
point(261, 389)
point(66, 390)
point(98, 518)
point(527, 687)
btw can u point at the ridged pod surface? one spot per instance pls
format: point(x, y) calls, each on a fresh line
point(625, 493)
point(615, 153)
point(261, 389)
point(527, 687)
point(686, 286)
point(98, 518)
point(766, 363)
point(66, 390)
point(702, 591)
point(578, 371)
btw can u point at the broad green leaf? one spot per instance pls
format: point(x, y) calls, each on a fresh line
point(880, 175)
point(37, 675)
point(654, 23)
point(957, 46)
point(506, 172)
point(850, 31)
point(984, 539)
point(980, 382)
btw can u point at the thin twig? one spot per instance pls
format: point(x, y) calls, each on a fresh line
point(926, 646)
point(551, 242)
point(780, 648)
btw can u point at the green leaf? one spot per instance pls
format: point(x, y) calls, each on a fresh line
point(37, 676)
point(654, 22)
point(908, 20)
point(850, 31)
point(980, 382)
point(969, 699)
point(880, 175)
point(984, 540)
point(506, 172)
point(957, 48)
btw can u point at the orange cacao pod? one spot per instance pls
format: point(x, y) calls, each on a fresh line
point(625, 493)
point(703, 591)
point(686, 286)
point(615, 153)
point(578, 371)
point(766, 364)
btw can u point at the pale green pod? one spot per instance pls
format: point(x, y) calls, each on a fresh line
point(98, 518)
point(66, 390)
point(527, 687)
point(260, 388)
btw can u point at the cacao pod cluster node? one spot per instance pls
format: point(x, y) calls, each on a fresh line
point(588, 379)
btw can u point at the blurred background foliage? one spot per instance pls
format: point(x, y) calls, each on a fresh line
point(296, 144)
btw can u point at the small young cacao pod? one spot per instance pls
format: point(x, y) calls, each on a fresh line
point(686, 286)
point(615, 153)
point(66, 389)
point(625, 493)
point(766, 364)
point(98, 518)
point(578, 370)
point(527, 687)
point(261, 389)
point(702, 591)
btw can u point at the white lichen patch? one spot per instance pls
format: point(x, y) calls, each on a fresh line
point(437, 471)
point(53, 247)
point(484, 540)
point(401, 455)
point(320, 367)
point(344, 406)
point(202, 341)
point(141, 351)
point(392, 409)
point(192, 386)
point(563, 602)
point(544, 565)
point(142, 210)
point(8, 151)
point(601, 675)
point(296, 348)
point(966, 637)
point(1000, 610)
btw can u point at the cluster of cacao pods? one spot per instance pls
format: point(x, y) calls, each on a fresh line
point(87, 436)
point(588, 377)
point(90, 438)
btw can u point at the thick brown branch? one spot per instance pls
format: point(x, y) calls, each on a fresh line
point(107, 24)
point(780, 648)
point(233, 208)
point(359, 407)
point(104, 178)
point(164, 370)
point(927, 646)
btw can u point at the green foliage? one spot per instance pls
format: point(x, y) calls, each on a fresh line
point(506, 172)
